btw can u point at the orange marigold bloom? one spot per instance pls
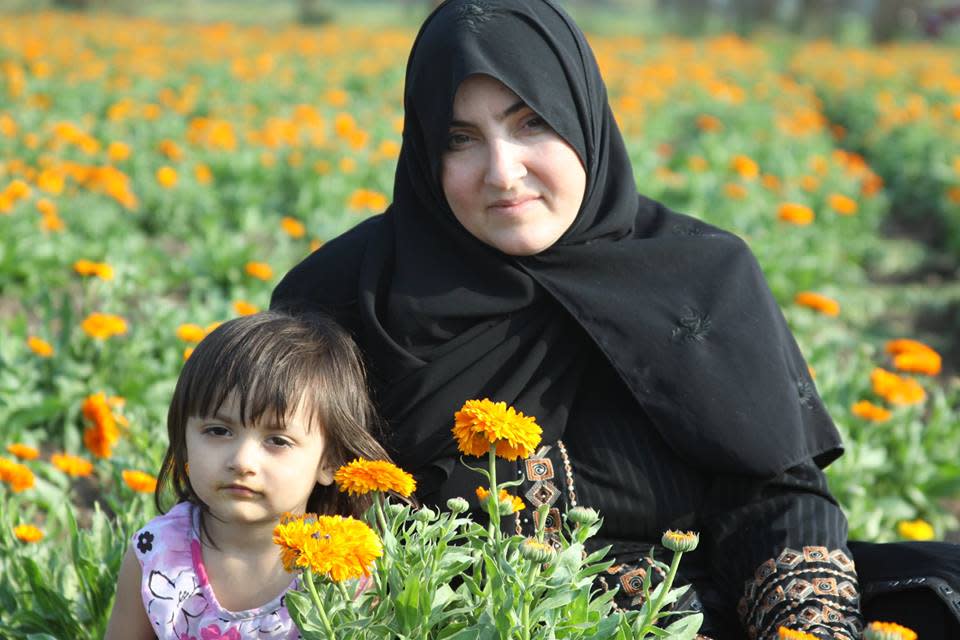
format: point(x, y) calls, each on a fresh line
point(953, 195)
point(336, 547)
point(771, 182)
point(139, 481)
point(368, 199)
point(101, 270)
point(795, 213)
point(888, 631)
point(809, 183)
point(27, 533)
point(913, 356)
point(844, 205)
point(203, 174)
point(745, 166)
point(515, 502)
point(244, 308)
point(363, 476)
point(23, 451)
point(896, 389)
point(259, 270)
point(735, 191)
point(100, 437)
point(869, 411)
point(18, 476)
point(40, 346)
point(481, 424)
point(187, 353)
point(315, 244)
point(166, 177)
point(46, 207)
point(103, 325)
point(708, 123)
point(72, 465)
point(818, 302)
point(190, 332)
point(118, 151)
point(170, 149)
point(916, 530)
point(293, 227)
point(790, 634)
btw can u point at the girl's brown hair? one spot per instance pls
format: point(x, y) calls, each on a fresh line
point(275, 361)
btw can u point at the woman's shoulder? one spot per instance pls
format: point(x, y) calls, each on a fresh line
point(328, 276)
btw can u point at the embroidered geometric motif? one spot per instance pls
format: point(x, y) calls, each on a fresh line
point(551, 521)
point(816, 554)
point(542, 492)
point(539, 469)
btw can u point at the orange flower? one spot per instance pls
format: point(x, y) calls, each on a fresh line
point(809, 183)
point(18, 476)
point(315, 244)
point(896, 389)
point(170, 149)
point(368, 199)
point(118, 151)
point(187, 353)
point(293, 227)
point(783, 633)
point(913, 356)
point(259, 270)
point(480, 424)
point(244, 308)
point(795, 213)
point(72, 465)
point(515, 503)
point(103, 325)
point(166, 177)
point(771, 182)
point(52, 223)
point(916, 530)
point(23, 451)
point(363, 476)
point(818, 302)
point(101, 270)
point(139, 481)
point(709, 123)
point(842, 204)
point(190, 332)
point(697, 163)
point(745, 166)
point(100, 437)
point(869, 411)
point(40, 346)
point(27, 533)
point(735, 191)
point(203, 174)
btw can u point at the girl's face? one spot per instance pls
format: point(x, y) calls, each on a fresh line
point(254, 473)
point(510, 180)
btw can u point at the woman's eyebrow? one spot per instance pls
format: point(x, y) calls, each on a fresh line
point(509, 111)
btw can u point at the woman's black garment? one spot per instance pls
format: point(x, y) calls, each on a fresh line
point(676, 308)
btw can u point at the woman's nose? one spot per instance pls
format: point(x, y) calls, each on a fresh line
point(505, 164)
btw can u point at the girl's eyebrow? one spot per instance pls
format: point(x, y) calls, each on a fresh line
point(509, 111)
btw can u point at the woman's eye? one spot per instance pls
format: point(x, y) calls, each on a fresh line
point(457, 140)
point(536, 122)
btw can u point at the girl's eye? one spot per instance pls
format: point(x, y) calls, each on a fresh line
point(278, 441)
point(216, 431)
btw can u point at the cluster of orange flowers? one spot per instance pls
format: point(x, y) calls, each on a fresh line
point(368, 200)
point(339, 548)
point(18, 476)
point(101, 270)
point(103, 325)
point(909, 356)
point(103, 431)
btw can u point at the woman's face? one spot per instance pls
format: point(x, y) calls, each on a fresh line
point(510, 180)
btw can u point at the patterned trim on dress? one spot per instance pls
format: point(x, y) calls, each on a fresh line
point(814, 590)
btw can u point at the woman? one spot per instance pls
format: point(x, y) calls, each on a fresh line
point(517, 262)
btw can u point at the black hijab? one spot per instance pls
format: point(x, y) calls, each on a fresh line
point(680, 309)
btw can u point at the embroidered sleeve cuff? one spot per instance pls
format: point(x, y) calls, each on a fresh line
point(814, 590)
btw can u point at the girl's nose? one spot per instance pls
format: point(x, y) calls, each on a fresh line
point(505, 165)
point(243, 457)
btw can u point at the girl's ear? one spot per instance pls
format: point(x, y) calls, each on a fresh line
point(325, 473)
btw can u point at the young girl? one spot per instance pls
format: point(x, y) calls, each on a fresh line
point(265, 410)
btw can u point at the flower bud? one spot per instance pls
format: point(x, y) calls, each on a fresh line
point(582, 516)
point(536, 551)
point(680, 541)
point(506, 506)
point(425, 515)
point(393, 509)
point(457, 505)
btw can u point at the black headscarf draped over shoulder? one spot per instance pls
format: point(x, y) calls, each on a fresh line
point(680, 309)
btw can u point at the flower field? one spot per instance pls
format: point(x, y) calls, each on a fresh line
point(157, 179)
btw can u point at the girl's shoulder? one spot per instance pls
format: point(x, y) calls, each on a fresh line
point(165, 535)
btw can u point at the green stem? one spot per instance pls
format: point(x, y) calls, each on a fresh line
point(527, 599)
point(312, 588)
point(667, 585)
point(493, 501)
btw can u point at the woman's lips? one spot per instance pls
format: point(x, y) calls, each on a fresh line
point(513, 206)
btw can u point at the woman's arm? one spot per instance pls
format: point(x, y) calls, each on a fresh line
point(128, 620)
point(781, 546)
